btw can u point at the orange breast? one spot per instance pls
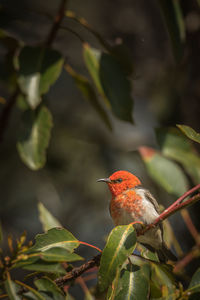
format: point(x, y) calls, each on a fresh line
point(128, 203)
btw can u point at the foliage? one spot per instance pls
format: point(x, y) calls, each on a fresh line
point(50, 264)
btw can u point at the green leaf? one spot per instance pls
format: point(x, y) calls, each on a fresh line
point(110, 81)
point(88, 92)
point(164, 171)
point(39, 68)
point(194, 285)
point(47, 285)
point(46, 218)
point(175, 25)
point(176, 146)
point(123, 55)
point(120, 244)
point(33, 294)
point(190, 132)
point(12, 288)
point(55, 237)
point(132, 283)
point(34, 137)
point(59, 255)
point(163, 280)
point(48, 267)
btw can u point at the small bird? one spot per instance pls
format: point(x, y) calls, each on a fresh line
point(131, 203)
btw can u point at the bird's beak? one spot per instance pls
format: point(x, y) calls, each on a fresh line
point(107, 180)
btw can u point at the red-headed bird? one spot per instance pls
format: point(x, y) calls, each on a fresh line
point(130, 203)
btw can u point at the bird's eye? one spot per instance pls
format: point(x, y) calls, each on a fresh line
point(119, 180)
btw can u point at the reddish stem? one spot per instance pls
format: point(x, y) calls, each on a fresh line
point(89, 245)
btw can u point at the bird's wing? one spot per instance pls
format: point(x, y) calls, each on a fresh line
point(152, 200)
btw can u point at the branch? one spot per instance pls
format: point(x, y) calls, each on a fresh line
point(76, 272)
point(95, 261)
point(56, 24)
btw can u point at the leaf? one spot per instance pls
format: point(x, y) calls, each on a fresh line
point(55, 237)
point(12, 289)
point(33, 292)
point(47, 285)
point(164, 171)
point(194, 285)
point(39, 68)
point(46, 218)
point(59, 255)
point(123, 56)
point(120, 244)
point(132, 283)
point(88, 92)
point(47, 267)
point(176, 146)
point(34, 137)
point(190, 132)
point(110, 81)
point(161, 276)
point(175, 25)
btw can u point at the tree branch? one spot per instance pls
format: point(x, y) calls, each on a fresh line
point(56, 24)
point(95, 261)
point(76, 272)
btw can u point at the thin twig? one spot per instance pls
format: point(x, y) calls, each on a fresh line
point(190, 225)
point(186, 259)
point(76, 272)
point(56, 24)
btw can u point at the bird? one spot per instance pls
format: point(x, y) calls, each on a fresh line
point(130, 203)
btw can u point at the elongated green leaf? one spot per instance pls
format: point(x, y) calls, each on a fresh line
point(176, 146)
point(132, 283)
point(190, 132)
point(194, 285)
point(88, 92)
point(175, 25)
point(47, 285)
point(33, 293)
point(164, 171)
point(46, 218)
point(55, 237)
point(34, 138)
point(120, 244)
point(59, 255)
point(110, 81)
point(47, 267)
point(39, 68)
point(12, 289)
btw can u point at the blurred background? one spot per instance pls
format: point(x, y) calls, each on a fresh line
point(82, 149)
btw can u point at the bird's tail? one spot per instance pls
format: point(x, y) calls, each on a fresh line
point(165, 254)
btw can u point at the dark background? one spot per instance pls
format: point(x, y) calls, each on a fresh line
point(82, 149)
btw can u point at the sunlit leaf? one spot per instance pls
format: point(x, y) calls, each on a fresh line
point(59, 255)
point(175, 25)
point(120, 244)
point(190, 133)
point(175, 145)
point(34, 137)
point(55, 237)
point(164, 171)
point(39, 68)
point(12, 289)
point(47, 267)
point(132, 282)
point(47, 285)
point(110, 81)
point(46, 218)
point(88, 92)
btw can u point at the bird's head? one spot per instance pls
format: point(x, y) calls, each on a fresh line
point(120, 181)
